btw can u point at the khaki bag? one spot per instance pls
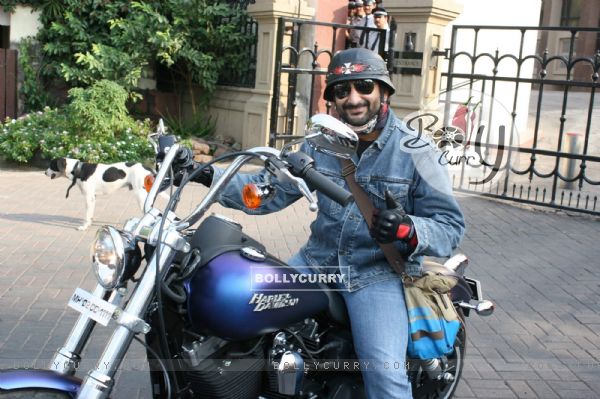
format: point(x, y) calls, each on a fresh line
point(432, 319)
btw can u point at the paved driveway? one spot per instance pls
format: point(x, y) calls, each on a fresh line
point(542, 268)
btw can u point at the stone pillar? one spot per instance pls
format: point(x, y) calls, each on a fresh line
point(426, 18)
point(257, 110)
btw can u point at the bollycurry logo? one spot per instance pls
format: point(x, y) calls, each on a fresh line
point(472, 131)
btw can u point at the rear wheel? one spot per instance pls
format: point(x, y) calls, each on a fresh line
point(425, 388)
point(34, 394)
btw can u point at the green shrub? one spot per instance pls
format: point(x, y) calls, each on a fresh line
point(94, 127)
point(32, 91)
point(196, 126)
point(100, 110)
point(50, 132)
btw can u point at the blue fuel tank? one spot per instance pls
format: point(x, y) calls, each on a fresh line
point(240, 292)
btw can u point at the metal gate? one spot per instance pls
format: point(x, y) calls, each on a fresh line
point(555, 161)
point(8, 83)
point(300, 67)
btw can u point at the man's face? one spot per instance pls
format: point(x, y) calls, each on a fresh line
point(380, 21)
point(368, 8)
point(360, 11)
point(357, 101)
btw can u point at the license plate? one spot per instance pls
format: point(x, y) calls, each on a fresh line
point(91, 306)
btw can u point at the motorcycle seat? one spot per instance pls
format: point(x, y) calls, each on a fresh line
point(337, 308)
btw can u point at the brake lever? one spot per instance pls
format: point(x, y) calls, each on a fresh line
point(153, 140)
point(303, 187)
point(279, 169)
point(154, 137)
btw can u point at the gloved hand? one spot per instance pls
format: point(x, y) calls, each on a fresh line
point(393, 224)
point(184, 164)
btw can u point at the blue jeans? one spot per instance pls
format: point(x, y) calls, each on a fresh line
point(379, 324)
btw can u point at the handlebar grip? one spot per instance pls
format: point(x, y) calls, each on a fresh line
point(320, 182)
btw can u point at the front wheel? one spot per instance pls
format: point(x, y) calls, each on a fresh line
point(425, 388)
point(34, 394)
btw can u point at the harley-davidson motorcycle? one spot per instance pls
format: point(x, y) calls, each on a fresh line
point(210, 329)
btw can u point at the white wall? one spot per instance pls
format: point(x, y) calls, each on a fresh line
point(504, 13)
point(23, 22)
point(4, 18)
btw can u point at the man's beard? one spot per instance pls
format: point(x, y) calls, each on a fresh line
point(345, 114)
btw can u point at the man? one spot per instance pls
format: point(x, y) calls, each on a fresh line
point(351, 12)
point(352, 17)
point(380, 16)
point(427, 220)
point(357, 20)
point(367, 22)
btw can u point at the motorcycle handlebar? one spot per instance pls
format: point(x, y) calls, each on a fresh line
point(302, 165)
point(302, 169)
point(320, 182)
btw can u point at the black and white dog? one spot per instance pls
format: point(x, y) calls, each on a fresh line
point(92, 179)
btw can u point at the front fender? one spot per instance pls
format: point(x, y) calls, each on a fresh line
point(45, 379)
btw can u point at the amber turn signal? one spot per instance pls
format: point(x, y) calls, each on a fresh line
point(251, 196)
point(148, 182)
point(256, 194)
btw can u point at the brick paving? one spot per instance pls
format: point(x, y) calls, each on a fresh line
point(540, 267)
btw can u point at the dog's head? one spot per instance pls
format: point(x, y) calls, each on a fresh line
point(57, 168)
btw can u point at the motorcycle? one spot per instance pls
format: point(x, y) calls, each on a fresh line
point(210, 328)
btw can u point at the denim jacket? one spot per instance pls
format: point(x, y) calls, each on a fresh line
point(398, 161)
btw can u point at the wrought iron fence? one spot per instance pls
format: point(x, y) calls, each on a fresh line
point(555, 162)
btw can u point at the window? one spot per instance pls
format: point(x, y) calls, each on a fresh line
point(564, 45)
point(4, 36)
point(570, 13)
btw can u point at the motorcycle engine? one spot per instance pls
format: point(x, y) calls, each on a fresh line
point(307, 348)
point(217, 369)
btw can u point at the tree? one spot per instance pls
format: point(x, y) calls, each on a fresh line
point(91, 40)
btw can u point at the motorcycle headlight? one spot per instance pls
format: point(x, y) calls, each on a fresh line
point(108, 257)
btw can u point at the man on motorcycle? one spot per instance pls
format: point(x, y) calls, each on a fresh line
point(427, 221)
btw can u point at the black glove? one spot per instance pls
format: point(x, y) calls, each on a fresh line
point(184, 164)
point(392, 224)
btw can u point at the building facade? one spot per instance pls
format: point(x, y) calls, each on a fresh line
point(569, 13)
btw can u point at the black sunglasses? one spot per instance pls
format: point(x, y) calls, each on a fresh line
point(342, 90)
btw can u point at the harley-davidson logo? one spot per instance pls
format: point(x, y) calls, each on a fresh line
point(278, 301)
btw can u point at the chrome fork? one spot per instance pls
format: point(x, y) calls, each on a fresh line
point(66, 359)
point(98, 383)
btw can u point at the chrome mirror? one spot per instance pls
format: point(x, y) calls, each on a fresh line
point(485, 308)
point(331, 136)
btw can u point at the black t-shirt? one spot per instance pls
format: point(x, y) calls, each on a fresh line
point(362, 146)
